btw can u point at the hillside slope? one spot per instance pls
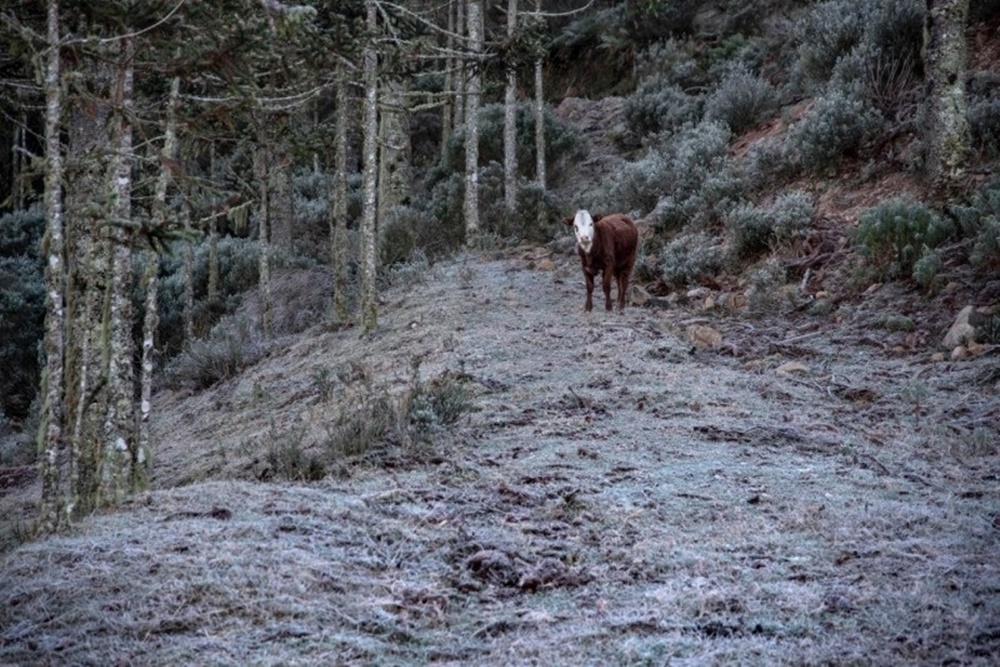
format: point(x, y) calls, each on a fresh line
point(804, 492)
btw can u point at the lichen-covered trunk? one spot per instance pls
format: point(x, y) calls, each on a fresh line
point(338, 201)
point(52, 427)
point(474, 19)
point(88, 253)
point(212, 291)
point(187, 256)
point(947, 125)
point(510, 120)
point(121, 465)
point(369, 305)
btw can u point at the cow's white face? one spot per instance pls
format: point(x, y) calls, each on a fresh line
point(583, 226)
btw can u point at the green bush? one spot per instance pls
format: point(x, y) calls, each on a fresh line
point(895, 234)
point(741, 100)
point(980, 221)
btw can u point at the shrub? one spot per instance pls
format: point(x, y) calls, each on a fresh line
point(659, 106)
point(688, 180)
point(673, 62)
point(650, 20)
point(754, 229)
point(839, 123)
point(897, 232)
point(833, 29)
point(980, 220)
point(233, 344)
point(690, 257)
point(765, 295)
point(984, 125)
point(741, 100)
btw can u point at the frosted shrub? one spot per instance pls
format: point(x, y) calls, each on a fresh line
point(754, 229)
point(690, 257)
point(766, 294)
point(984, 125)
point(741, 100)
point(672, 61)
point(659, 106)
point(839, 123)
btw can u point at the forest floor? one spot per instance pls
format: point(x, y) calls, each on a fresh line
point(617, 489)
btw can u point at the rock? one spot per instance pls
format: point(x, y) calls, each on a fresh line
point(961, 331)
point(545, 265)
point(640, 297)
point(704, 337)
point(790, 367)
point(959, 353)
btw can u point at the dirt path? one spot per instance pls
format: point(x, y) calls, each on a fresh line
point(615, 497)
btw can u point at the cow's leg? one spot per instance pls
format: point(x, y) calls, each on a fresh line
point(622, 290)
point(606, 284)
point(589, 305)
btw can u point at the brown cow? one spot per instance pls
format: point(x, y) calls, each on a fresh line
point(606, 244)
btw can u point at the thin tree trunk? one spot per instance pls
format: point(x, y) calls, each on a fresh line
point(510, 120)
point(459, 86)
point(212, 291)
point(948, 124)
point(449, 63)
point(540, 176)
point(473, 88)
point(150, 280)
point(51, 422)
point(188, 257)
point(369, 307)
point(262, 156)
point(338, 201)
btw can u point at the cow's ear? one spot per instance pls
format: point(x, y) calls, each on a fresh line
point(597, 217)
point(568, 222)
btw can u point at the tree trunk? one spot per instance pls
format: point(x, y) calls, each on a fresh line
point(262, 171)
point(540, 176)
point(369, 306)
point(338, 201)
point(51, 420)
point(473, 87)
point(948, 126)
point(187, 311)
point(150, 278)
point(459, 107)
point(449, 78)
point(119, 464)
point(394, 178)
point(88, 249)
point(212, 291)
point(510, 120)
